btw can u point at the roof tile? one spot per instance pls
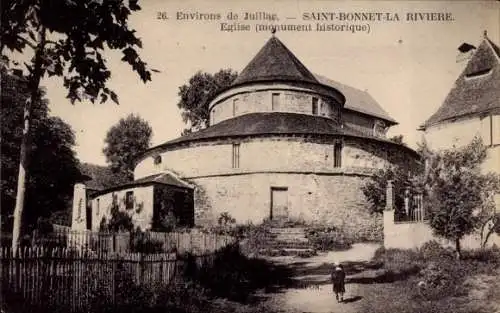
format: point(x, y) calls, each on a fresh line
point(274, 62)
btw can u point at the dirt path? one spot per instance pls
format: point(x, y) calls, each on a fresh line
point(314, 291)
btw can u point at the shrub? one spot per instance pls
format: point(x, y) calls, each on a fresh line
point(432, 250)
point(255, 238)
point(234, 276)
point(326, 238)
point(442, 278)
point(225, 219)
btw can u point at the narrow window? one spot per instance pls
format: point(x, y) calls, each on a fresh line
point(97, 206)
point(235, 106)
point(236, 155)
point(129, 200)
point(275, 102)
point(212, 117)
point(337, 154)
point(315, 106)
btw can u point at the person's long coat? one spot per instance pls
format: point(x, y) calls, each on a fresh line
point(338, 280)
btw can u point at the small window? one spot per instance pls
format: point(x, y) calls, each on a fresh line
point(337, 154)
point(315, 106)
point(275, 102)
point(129, 200)
point(212, 117)
point(236, 155)
point(97, 206)
point(157, 160)
point(235, 106)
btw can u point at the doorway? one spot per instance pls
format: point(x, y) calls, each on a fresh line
point(279, 203)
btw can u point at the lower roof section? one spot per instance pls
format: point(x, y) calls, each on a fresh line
point(158, 179)
point(266, 123)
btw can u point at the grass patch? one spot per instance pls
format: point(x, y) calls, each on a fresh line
point(429, 279)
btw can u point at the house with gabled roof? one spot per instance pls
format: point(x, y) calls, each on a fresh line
point(470, 109)
point(472, 106)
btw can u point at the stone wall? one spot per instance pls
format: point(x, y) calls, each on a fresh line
point(141, 213)
point(333, 199)
point(290, 100)
point(275, 154)
point(411, 235)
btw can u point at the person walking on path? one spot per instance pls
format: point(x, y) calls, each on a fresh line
point(338, 281)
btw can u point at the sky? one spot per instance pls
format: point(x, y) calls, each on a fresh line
point(408, 67)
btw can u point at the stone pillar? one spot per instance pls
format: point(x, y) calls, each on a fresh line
point(389, 197)
point(79, 215)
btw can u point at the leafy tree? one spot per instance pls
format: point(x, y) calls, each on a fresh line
point(67, 39)
point(54, 167)
point(457, 191)
point(375, 188)
point(197, 94)
point(397, 139)
point(124, 141)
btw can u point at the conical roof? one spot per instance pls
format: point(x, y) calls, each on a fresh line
point(275, 62)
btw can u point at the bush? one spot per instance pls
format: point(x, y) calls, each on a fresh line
point(328, 238)
point(255, 238)
point(234, 276)
point(432, 250)
point(442, 278)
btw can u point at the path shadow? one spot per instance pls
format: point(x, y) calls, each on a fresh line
point(352, 299)
point(305, 276)
point(382, 277)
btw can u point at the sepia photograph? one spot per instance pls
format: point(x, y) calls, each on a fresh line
point(319, 156)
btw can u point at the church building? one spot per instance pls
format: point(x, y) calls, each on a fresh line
point(282, 143)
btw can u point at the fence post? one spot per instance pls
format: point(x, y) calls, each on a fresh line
point(141, 268)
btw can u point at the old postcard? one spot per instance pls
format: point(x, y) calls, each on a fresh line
point(250, 156)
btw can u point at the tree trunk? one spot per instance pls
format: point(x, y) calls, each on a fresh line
point(486, 238)
point(21, 179)
point(458, 249)
point(33, 86)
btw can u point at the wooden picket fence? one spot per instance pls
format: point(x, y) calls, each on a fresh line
point(194, 241)
point(68, 278)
